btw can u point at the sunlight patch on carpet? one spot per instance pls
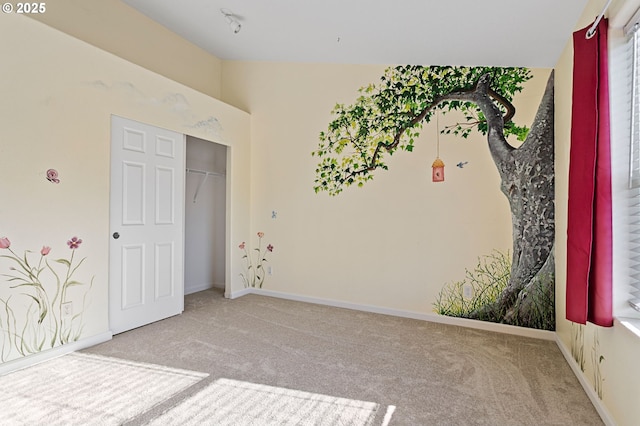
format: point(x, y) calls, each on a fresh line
point(232, 402)
point(80, 389)
point(387, 416)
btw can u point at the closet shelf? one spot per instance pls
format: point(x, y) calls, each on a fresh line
point(205, 174)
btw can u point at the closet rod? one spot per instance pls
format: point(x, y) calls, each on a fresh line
point(205, 172)
point(204, 179)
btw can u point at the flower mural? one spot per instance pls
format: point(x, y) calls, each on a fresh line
point(37, 313)
point(52, 176)
point(74, 243)
point(254, 274)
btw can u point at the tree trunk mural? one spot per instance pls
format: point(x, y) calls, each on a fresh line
point(527, 180)
point(389, 116)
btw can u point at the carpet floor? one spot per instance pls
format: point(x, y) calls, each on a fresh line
point(85, 389)
point(430, 373)
point(231, 403)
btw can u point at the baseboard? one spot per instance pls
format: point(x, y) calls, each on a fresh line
point(240, 293)
point(588, 388)
point(20, 363)
point(202, 287)
point(462, 322)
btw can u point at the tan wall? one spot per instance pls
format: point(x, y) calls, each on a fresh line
point(392, 243)
point(620, 349)
point(116, 27)
point(58, 96)
point(396, 241)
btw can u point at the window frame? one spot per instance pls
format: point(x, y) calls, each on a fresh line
point(624, 78)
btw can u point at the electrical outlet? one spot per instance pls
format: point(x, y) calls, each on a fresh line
point(67, 309)
point(467, 291)
point(270, 270)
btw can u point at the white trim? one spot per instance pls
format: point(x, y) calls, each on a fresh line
point(631, 25)
point(18, 364)
point(196, 289)
point(462, 322)
point(588, 388)
point(240, 293)
point(202, 287)
point(622, 12)
point(630, 324)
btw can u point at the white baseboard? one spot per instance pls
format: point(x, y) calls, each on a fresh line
point(190, 289)
point(588, 388)
point(240, 293)
point(202, 287)
point(18, 364)
point(463, 322)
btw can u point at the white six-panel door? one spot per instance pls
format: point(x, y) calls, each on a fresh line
point(146, 224)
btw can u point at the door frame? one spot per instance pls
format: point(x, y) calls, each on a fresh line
point(228, 186)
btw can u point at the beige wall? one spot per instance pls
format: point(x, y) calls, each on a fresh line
point(116, 27)
point(58, 95)
point(393, 243)
point(620, 377)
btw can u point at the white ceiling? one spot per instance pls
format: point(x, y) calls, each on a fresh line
point(530, 33)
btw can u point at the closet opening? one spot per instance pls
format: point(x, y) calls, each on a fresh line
point(205, 215)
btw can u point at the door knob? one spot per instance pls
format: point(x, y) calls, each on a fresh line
point(116, 235)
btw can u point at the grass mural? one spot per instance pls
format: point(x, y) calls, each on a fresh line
point(481, 286)
point(36, 307)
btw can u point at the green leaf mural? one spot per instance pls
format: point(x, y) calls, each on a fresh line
point(388, 116)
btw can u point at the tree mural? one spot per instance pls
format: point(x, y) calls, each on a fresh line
point(389, 116)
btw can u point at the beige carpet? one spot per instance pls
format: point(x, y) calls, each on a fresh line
point(228, 402)
point(85, 389)
point(434, 374)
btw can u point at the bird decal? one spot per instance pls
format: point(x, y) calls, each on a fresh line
point(462, 164)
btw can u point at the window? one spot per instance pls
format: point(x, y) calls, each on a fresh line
point(634, 170)
point(625, 151)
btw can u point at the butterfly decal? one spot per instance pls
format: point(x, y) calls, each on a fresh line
point(52, 176)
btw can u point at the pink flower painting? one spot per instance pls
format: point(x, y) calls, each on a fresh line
point(74, 243)
point(46, 283)
point(255, 259)
point(5, 243)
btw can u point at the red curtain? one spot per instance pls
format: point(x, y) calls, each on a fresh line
point(589, 229)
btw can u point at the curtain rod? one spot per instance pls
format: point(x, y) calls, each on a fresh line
point(592, 30)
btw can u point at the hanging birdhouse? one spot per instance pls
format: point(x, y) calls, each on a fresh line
point(437, 173)
point(437, 168)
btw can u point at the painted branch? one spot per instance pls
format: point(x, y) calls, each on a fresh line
point(481, 95)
